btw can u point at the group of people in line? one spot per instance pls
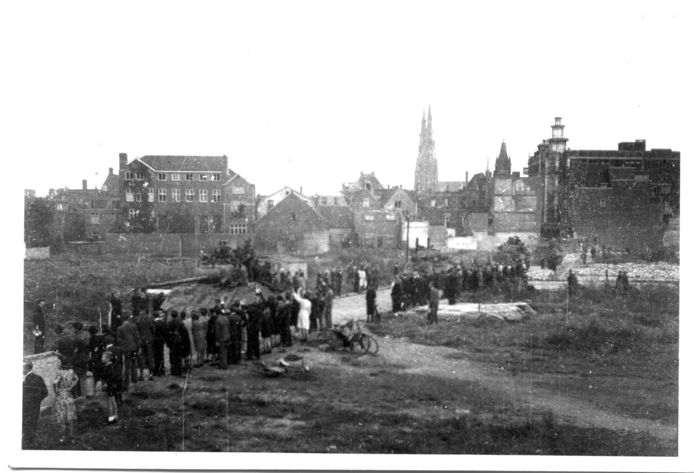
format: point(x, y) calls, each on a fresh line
point(414, 289)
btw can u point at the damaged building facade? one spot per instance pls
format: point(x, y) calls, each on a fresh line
point(623, 198)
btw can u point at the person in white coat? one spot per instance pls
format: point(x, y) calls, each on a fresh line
point(303, 321)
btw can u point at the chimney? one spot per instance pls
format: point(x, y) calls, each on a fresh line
point(465, 177)
point(84, 184)
point(110, 171)
point(122, 159)
point(301, 190)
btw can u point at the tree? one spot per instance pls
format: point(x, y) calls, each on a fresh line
point(38, 222)
point(178, 218)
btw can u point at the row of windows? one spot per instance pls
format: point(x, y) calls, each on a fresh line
point(371, 217)
point(175, 176)
point(234, 229)
point(336, 200)
point(163, 195)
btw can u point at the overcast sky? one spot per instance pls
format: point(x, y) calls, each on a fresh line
point(308, 94)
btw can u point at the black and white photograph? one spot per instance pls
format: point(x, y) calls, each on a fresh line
point(381, 235)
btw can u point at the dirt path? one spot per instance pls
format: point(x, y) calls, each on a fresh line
point(518, 388)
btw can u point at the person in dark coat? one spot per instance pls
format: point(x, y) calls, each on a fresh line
point(266, 327)
point(116, 310)
point(139, 302)
point(573, 283)
point(255, 313)
point(223, 338)
point(34, 391)
point(145, 325)
point(117, 359)
point(66, 345)
point(276, 326)
point(433, 303)
point(113, 382)
point(39, 326)
point(284, 309)
point(80, 359)
point(236, 323)
point(175, 339)
point(96, 350)
point(329, 295)
point(212, 349)
point(129, 341)
point(158, 342)
point(370, 303)
point(396, 294)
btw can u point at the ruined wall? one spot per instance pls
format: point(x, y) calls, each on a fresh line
point(515, 205)
point(622, 216)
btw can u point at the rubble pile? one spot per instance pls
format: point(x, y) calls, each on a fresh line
point(509, 311)
point(595, 271)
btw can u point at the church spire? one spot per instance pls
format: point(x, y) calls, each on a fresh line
point(429, 123)
point(503, 161)
point(426, 171)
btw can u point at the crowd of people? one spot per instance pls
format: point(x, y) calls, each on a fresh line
point(413, 289)
point(131, 348)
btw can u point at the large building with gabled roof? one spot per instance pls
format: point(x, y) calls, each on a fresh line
point(184, 194)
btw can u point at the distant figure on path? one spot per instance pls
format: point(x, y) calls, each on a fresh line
point(573, 283)
point(433, 304)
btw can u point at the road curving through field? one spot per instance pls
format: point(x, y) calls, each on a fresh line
point(518, 388)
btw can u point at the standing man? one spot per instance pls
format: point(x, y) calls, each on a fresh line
point(396, 294)
point(223, 337)
point(145, 325)
point(370, 303)
point(235, 333)
point(39, 326)
point(116, 310)
point(175, 339)
point(329, 295)
point(33, 393)
point(573, 283)
point(158, 342)
point(129, 341)
point(433, 303)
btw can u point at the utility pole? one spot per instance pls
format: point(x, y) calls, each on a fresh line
point(407, 240)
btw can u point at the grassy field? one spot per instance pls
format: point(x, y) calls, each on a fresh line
point(622, 353)
point(344, 408)
point(75, 288)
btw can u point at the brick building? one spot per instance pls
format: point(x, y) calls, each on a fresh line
point(624, 197)
point(184, 194)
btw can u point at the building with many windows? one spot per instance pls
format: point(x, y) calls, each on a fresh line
point(184, 194)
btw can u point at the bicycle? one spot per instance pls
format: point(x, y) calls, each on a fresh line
point(348, 337)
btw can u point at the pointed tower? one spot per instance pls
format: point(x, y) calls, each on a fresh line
point(426, 175)
point(502, 167)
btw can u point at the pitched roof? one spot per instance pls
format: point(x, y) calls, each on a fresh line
point(287, 203)
point(111, 184)
point(186, 163)
point(384, 195)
